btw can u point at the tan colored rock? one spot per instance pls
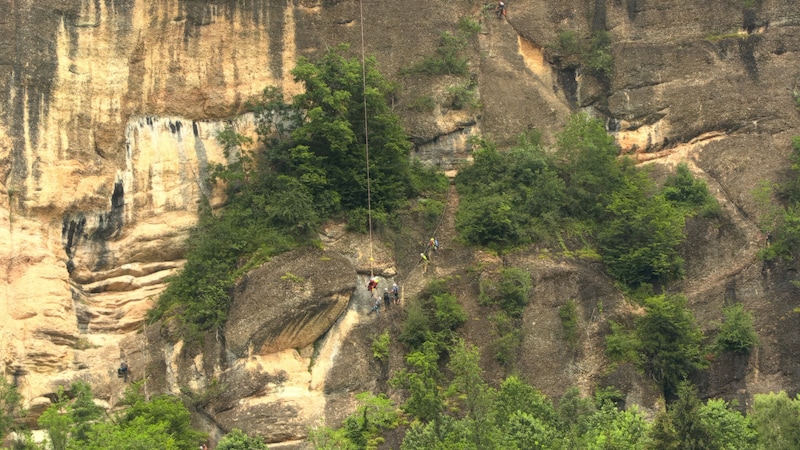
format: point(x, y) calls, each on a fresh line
point(289, 302)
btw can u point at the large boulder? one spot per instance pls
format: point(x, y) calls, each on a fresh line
point(289, 302)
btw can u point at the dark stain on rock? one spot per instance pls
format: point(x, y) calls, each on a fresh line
point(29, 56)
point(633, 7)
point(276, 35)
point(568, 82)
point(599, 16)
point(747, 49)
point(72, 232)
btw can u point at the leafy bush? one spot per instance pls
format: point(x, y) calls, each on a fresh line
point(665, 342)
point(508, 198)
point(776, 419)
point(380, 346)
point(469, 26)
point(511, 291)
point(463, 96)
point(312, 169)
point(432, 316)
point(670, 341)
point(569, 322)
point(448, 59)
point(639, 242)
point(685, 191)
point(162, 422)
point(509, 337)
point(597, 56)
point(425, 103)
point(737, 333)
point(236, 439)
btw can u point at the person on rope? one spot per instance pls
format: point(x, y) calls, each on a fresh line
point(500, 10)
point(433, 244)
point(387, 299)
point(122, 371)
point(424, 262)
point(376, 306)
point(396, 293)
point(373, 283)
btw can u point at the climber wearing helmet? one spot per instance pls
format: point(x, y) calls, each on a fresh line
point(500, 11)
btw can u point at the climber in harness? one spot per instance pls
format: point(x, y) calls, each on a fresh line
point(387, 299)
point(122, 371)
point(376, 308)
point(373, 283)
point(500, 10)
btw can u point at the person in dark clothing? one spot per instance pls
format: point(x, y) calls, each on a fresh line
point(396, 294)
point(387, 299)
point(122, 371)
point(500, 10)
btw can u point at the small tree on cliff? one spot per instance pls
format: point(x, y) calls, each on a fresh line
point(314, 166)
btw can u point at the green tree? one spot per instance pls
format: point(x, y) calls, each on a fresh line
point(83, 411)
point(448, 433)
point(331, 136)
point(639, 242)
point(57, 422)
point(737, 333)
point(432, 316)
point(468, 384)
point(729, 428)
point(587, 162)
point(517, 396)
point(236, 439)
point(670, 341)
point(689, 193)
point(425, 399)
point(509, 198)
point(689, 430)
point(613, 429)
point(10, 407)
point(776, 418)
point(138, 434)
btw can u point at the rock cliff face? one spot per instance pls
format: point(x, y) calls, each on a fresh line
point(108, 117)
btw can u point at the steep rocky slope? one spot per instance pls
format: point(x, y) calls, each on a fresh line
point(108, 113)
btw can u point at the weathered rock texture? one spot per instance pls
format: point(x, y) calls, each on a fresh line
point(288, 302)
point(109, 110)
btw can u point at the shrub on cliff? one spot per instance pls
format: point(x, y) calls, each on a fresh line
point(311, 167)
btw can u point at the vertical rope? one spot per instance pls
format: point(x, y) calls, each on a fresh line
point(366, 133)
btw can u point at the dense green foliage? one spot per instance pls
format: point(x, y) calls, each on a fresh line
point(75, 422)
point(639, 241)
point(776, 419)
point(511, 292)
point(237, 440)
point(690, 194)
point(737, 333)
point(509, 198)
point(449, 58)
point(432, 316)
point(568, 313)
point(780, 220)
point(529, 194)
point(666, 343)
point(594, 52)
point(313, 167)
point(10, 408)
